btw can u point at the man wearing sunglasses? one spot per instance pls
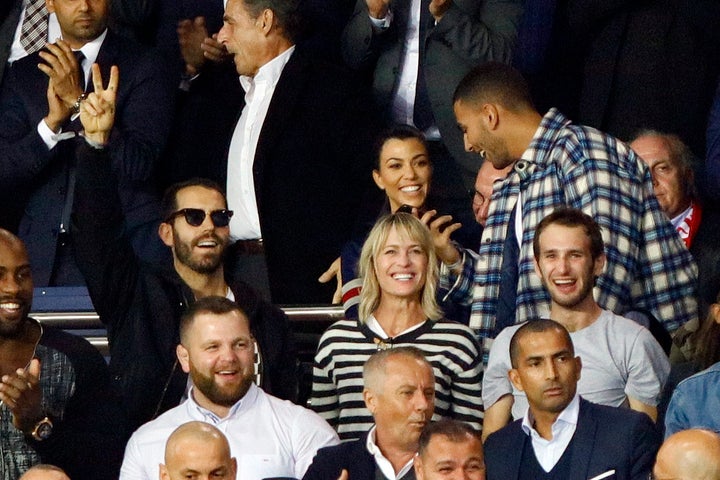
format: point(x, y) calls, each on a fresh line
point(141, 304)
point(54, 406)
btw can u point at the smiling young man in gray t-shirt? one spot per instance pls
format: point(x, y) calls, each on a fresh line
point(622, 364)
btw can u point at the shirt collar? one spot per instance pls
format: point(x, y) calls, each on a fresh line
point(679, 218)
point(569, 416)
point(200, 413)
point(380, 460)
point(92, 48)
point(549, 128)
point(269, 73)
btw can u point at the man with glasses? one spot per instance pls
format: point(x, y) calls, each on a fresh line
point(141, 304)
point(53, 402)
point(486, 177)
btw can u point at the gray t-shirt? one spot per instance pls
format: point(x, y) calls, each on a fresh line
point(620, 359)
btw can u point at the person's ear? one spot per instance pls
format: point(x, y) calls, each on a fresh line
point(538, 272)
point(266, 21)
point(164, 475)
point(599, 265)
point(166, 234)
point(183, 357)
point(578, 362)
point(370, 400)
point(715, 312)
point(50, 5)
point(490, 116)
point(378, 179)
point(515, 379)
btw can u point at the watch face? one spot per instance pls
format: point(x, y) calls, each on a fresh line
point(43, 429)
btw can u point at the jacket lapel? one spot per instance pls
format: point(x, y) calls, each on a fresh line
point(107, 57)
point(287, 91)
point(583, 441)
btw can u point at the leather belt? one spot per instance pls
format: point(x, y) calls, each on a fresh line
point(249, 247)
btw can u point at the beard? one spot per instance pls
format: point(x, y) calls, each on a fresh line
point(14, 326)
point(205, 264)
point(226, 396)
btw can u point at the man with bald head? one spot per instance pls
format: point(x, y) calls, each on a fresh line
point(689, 455)
point(44, 471)
point(400, 394)
point(53, 406)
point(198, 449)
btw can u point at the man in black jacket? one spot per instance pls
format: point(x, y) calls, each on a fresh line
point(140, 304)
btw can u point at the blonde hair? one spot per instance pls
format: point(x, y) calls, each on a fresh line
point(407, 225)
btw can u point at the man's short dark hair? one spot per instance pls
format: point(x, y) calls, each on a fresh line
point(213, 304)
point(536, 326)
point(399, 132)
point(494, 82)
point(169, 205)
point(454, 430)
point(572, 218)
point(287, 13)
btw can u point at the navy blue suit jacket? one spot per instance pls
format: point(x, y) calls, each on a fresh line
point(606, 438)
point(36, 177)
point(353, 456)
point(9, 17)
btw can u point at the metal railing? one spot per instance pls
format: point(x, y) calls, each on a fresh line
point(307, 323)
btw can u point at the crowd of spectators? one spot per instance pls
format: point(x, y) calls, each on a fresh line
point(456, 173)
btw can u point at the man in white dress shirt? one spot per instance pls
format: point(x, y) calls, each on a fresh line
point(268, 437)
point(298, 163)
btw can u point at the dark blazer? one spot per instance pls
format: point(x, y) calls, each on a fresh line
point(606, 438)
point(141, 306)
point(470, 33)
point(353, 456)
point(9, 18)
point(312, 165)
point(31, 171)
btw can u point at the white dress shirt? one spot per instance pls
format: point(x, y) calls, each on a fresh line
point(269, 437)
point(403, 103)
point(404, 98)
point(245, 223)
point(383, 463)
point(548, 452)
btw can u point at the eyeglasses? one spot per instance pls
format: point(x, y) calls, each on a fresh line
point(196, 216)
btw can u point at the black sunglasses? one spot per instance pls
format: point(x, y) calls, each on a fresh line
point(196, 216)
